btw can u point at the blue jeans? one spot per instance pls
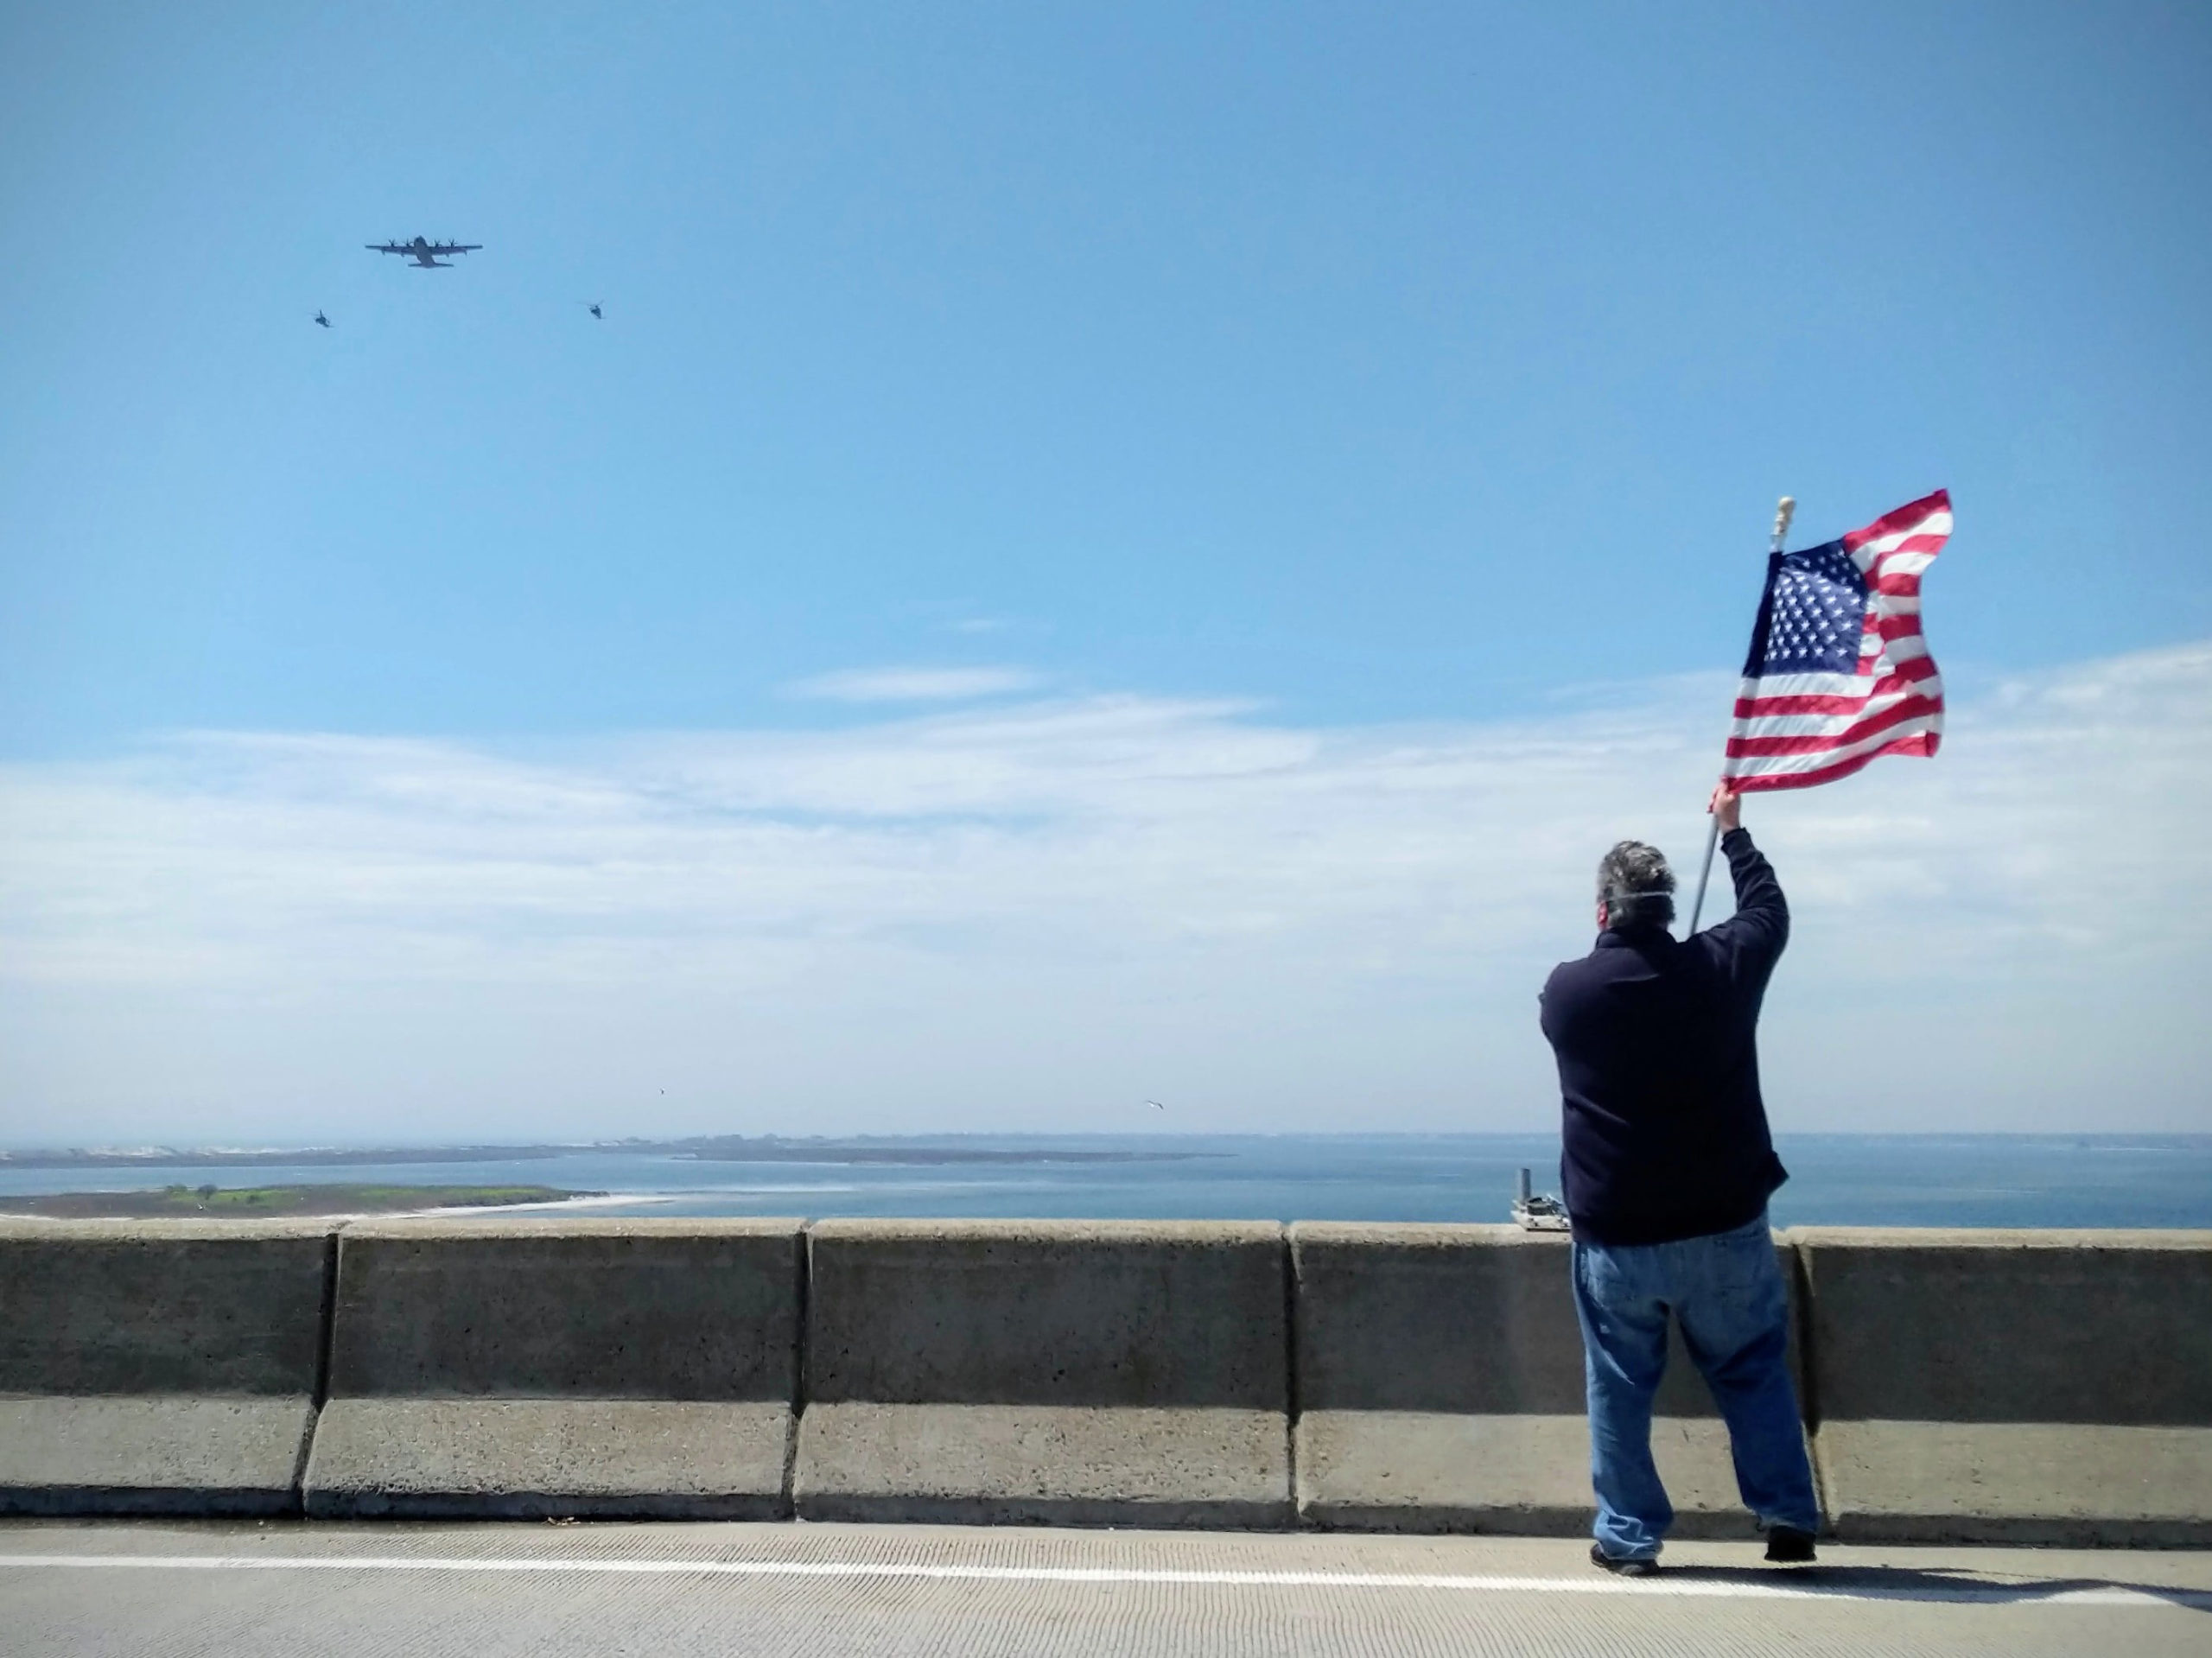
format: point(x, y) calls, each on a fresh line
point(1727, 1292)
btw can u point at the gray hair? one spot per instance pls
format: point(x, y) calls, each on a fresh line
point(1636, 886)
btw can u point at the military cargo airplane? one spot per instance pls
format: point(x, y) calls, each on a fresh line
point(425, 254)
point(320, 320)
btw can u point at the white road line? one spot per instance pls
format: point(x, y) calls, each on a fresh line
point(2026, 1592)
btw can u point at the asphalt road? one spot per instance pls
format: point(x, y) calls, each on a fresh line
point(246, 1589)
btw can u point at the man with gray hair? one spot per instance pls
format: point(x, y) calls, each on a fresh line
point(1667, 1168)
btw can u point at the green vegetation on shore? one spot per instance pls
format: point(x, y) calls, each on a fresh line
point(248, 1201)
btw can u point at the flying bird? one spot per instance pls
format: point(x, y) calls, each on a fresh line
point(594, 308)
point(1155, 1105)
point(320, 320)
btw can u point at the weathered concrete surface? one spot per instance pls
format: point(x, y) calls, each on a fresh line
point(561, 1366)
point(169, 1453)
point(2042, 1386)
point(157, 1366)
point(1525, 1475)
point(1440, 1387)
point(2011, 1326)
point(1131, 1373)
point(535, 1458)
point(2077, 1484)
point(615, 1309)
point(1043, 1464)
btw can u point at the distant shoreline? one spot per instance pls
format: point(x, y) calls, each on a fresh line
point(720, 1148)
point(256, 1203)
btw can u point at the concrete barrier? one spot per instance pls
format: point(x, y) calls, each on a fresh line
point(1440, 1389)
point(158, 1367)
point(2013, 1386)
point(1093, 1372)
point(642, 1368)
point(1969, 1386)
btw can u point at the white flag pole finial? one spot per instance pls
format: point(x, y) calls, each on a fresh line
point(1784, 510)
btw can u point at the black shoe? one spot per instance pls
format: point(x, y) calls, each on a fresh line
point(1625, 1565)
point(1786, 1545)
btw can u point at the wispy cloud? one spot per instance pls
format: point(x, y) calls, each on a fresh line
point(914, 684)
point(1034, 913)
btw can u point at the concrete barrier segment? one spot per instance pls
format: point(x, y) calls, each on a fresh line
point(1969, 1386)
point(1089, 1372)
point(158, 1367)
point(571, 1366)
point(2108, 1327)
point(1982, 1385)
point(1440, 1387)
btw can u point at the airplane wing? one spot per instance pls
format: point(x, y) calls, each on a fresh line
point(454, 247)
point(387, 247)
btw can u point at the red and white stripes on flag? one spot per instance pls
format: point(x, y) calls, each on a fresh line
point(1839, 671)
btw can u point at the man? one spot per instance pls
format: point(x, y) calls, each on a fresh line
point(1668, 1169)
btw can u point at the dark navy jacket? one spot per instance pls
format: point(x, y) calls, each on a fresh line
point(1665, 1132)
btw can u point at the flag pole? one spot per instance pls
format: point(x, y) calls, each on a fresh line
point(1783, 510)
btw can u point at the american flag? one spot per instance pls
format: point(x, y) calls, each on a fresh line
point(1838, 671)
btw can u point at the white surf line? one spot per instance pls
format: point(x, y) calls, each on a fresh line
point(604, 1200)
point(2024, 1593)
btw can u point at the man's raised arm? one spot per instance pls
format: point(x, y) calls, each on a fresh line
point(1760, 927)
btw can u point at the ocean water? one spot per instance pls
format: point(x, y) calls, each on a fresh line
point(1981, 1180)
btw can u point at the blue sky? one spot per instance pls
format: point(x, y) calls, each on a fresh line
point(1295, 374)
